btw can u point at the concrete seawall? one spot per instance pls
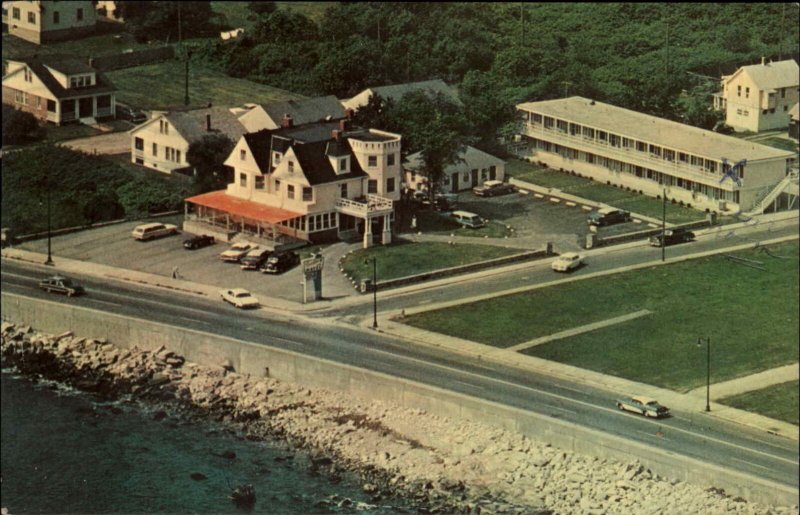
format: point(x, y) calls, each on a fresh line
point(259, 360)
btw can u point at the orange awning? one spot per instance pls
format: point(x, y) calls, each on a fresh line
point(221, 201)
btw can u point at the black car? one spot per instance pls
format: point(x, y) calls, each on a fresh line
point(255, 259)
point(129, 113)
point(672, 237)
point(198, 242)
point(279, 263)
point(608, 216)
point(61, 284)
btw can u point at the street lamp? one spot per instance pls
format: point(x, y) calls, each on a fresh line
point(664, 225)
point(49, 232)
point(700, 342)
point(374, 292)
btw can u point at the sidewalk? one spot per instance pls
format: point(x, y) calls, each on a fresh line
point(752, 382)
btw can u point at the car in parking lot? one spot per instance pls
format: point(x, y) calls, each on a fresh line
point(61, 284)
point(255, 258)
point(608, 216)
point(133, 115)
point(493, 188)
point(567, 261)
point(197, 242)
point(239, 297)
point(468, 219)
point(643, 406)
point(279, 263)
point(237, 251)
point(150, 231)
point(671, 237)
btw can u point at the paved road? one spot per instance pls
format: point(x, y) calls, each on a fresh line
point(690, 434)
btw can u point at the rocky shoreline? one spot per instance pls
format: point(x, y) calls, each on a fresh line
point(444, 465)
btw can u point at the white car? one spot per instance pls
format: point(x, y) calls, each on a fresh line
point(567, 261)
point(237, 251)
point(239, 297)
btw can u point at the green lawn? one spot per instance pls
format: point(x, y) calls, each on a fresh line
point(404, 258)
point(779, 402)
point(751, 316)
point(161, 86)
point(93, 46)
point(592, 190)
point(781, 143)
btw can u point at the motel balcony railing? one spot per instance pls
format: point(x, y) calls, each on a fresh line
point(631, 156)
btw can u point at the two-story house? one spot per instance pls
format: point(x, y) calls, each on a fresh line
point(44, 21)
point(758, 97)
point(315, 183)
point(58, 89)
point(301, 112)
point(162, 142)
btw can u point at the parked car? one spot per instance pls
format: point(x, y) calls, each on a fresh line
point(566, 262)
point(468, 219)
point(493, 188)
point(279, 263)
point(239, 297)
point(133, 115)
point(237, 251)
point(61, 284)
point(671, 237)
point(441, 201)
point(255, 258)
point(608, 216)
point(198, 242)
point(146, 232)
point(643, 406)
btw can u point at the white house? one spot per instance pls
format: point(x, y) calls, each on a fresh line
point(473, 167)
point(44, 21)
point(294, 112)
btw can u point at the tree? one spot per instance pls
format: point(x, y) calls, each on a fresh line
point(167, 19)
point(694, 107)
point(259, 8)
point(20, 127)
point(208, 156)
point(143, 196)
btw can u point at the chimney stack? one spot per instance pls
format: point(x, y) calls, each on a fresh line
point(208, 123)
point(344, 125)
point(763, 63)
point(336, 134)
point(287, 122)
point(349, 113)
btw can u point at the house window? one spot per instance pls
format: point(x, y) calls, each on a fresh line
point(139, 161)
point(243, 180)
point(390, 185)
point(277, 185)
point(20, 97)
point(28, 75)
point(291, 166)
point(276, 158)
point(783, 92)
point(343, 190)
point(51, 106)
point(243, 154)
point(79, 14)
point(155, 149)
point(785, 108)
point(15, 13)
point(342, 165)
point(372, 161)
point(372, 186)
point(308, 194)
point(177, 156)
point(163, 127)
point(138, 143)
point(56, 18)
point(390, 160)
point(32, 18)
point(738, 91)
point(104, 102)
point(290, 191)
point(259, 182)
point(747, 92)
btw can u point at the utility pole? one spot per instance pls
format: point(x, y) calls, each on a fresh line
point(664, 225)
point(180, 39)
point(49, 253)
point(186, 96)
point(374, 293)
point(707, 341)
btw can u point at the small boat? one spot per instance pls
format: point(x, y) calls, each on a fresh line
point(243, 496)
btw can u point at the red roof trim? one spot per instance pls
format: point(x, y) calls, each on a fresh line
point(221, 201)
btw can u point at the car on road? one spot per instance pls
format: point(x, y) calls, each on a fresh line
point(133, 115)
point(255, 258)
point(150, 231)
point(468, 219)
point(608, 216)
point(237, 251)
point(198, 242)
point(643, 406)
point(567, 261)
point(279, 263)
point(493, 188)
point(61, 284)
point(671, 237)
point(239, 297)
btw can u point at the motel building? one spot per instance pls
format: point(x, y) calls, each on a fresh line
point(307, 184)
point(703, 169)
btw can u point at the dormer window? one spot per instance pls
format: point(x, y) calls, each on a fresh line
point(343, 165)
point(242, 154)
point(276, 158)
point(163, 127)
point(28, 75)
point(290, 165)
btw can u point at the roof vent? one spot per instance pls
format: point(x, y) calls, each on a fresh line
point(591, 103)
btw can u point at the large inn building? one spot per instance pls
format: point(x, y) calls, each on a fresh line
point(652, 155)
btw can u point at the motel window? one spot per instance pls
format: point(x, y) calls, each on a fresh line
point(343, 190)
point(654, 150)
point(548, 122)
point(588, 133)
point(602, 136)
point(15, 13)
point(390, 185)
point(290, 191)
point(155, 149)
point(390, 160)
point(627, 143)
point(682, 157)
point(138, 143)
point(56, 18)
point(32, 18)
point(669, 155)
point(243, 154)
point(614, 140)
point(372, 186)
point(79, 15)
point(308, 194)
point(641, 146)
point(243, 180)
point(537, 118)
point(372, 161)
point(259, 182)
point(574, 129)
point(561, 125)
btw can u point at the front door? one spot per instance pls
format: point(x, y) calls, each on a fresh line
point(454, 182)
point(474, 174)
point(86, 107)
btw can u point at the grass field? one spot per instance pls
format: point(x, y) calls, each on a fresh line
point(161, 86)
point(404, 258)
point(93, 46)
point(751, 316)
point(592, 190)
point(779, 402)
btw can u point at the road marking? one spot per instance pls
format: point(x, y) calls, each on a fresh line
point(753, 464)
point(199, 311)
point(425, 301)
point(194, 320)
point(103, 302)
point(662, 437)
point(570, 389)
point(562, 409)
point(470, 384)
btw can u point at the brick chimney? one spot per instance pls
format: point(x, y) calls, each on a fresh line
point(287, 122)
point(208, 123)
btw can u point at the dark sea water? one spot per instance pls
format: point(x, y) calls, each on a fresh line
point(62, 452)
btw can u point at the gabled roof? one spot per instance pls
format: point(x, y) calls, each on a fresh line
point(192, 124)
point(396, 91)
point(771, 76)
point(67, 65)
point(317, 167)
point(259, 143)
point(471, 158)
point(310, 110)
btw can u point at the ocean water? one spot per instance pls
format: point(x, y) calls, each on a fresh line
point(63, 452)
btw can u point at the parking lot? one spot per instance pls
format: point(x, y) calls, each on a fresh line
point(114, 246)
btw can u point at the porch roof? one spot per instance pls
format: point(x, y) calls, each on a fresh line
point(221, 201)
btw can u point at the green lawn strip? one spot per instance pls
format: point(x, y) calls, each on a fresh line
point(403, 258)
point(592, 190)
point(781, 143)
point(778, 401)
point(161, 86)
point(751, 316)
point(92, 46)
